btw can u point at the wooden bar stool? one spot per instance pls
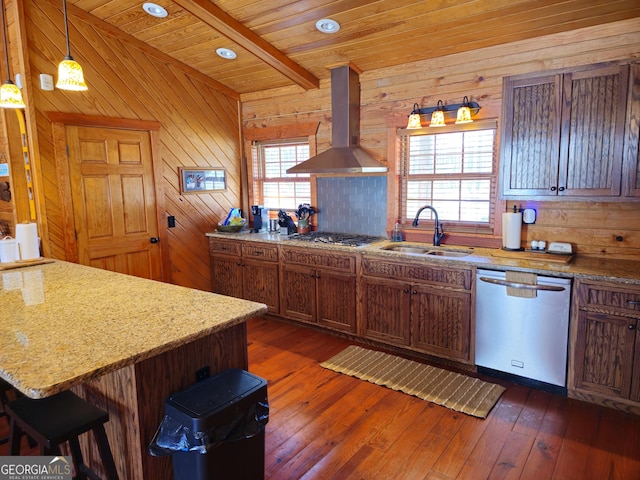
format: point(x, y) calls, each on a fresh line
point(4, 388)
point(51, 421)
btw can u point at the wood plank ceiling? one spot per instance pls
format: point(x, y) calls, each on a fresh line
point(278, 45)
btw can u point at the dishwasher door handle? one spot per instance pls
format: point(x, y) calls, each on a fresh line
point(522, 286)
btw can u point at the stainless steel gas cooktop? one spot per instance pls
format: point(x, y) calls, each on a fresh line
point(346, 239)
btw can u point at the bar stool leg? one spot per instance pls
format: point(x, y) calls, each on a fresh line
point(15, 434)
point(105, 452)
point(78, 460)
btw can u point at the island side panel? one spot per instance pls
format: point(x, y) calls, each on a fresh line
point(160, 376)
point(135, 396)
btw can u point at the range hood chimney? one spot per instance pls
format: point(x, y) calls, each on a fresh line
point(345, 155)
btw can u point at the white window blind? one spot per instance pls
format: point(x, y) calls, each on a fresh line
point(453, 170)
point(273, 187)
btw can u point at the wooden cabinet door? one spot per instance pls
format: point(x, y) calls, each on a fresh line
point(386, 310)
point(604, 353)
point(226, 275)
point(440, 322)
point(298, 293)
point(592, 133)
point(336, 305)
point(631, 162)
point(261, 284)
point(531, 135)
point(563, 134)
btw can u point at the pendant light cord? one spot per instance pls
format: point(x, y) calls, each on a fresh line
point(66, 28)
point(4, 38)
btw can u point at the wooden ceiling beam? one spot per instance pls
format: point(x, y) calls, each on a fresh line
point(228, 26)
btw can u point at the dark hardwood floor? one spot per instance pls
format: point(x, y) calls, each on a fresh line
point(324, 425)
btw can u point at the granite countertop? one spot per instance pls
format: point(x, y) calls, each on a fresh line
point(586, 267)
point(65, 323)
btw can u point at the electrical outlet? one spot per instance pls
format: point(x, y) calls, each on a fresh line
point(203, 373)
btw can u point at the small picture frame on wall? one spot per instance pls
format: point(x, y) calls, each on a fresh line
point(202, 180)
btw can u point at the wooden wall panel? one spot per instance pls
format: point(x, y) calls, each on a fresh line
point(199, 125)
point(388, 95)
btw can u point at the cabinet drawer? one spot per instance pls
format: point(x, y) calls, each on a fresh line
point(609, 298)
point(262, 251)
point(441, 276)
point(224, 246)
point(317, 258)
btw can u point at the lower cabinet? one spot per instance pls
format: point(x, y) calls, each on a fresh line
point(246, 270)
point(319, 287)
point(606, 342)
point(429, 311)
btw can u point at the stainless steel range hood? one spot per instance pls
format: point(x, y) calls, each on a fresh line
point(345, 155)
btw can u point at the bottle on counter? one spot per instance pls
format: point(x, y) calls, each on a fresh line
point(396, 234)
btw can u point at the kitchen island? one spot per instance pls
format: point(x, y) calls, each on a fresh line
point(121, 342)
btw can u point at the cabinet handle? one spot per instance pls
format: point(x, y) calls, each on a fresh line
point(317, 275)
point(240, 264)
point(522, 286)
point(553, 189)
point(561, 189)
point(258, 252)
point(632, 327)
point(633, 303)
point(406, 290)
point(414, 292)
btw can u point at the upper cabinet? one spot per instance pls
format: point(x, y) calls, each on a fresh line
point(568, 134)
point(631, 164)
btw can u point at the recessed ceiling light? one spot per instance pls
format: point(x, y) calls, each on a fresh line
point(326, 25)
point(226, 53)
point(154, 10)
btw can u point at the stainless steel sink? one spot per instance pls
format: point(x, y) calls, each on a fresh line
point(403, 249)
point(428, 250)
point(450, 253)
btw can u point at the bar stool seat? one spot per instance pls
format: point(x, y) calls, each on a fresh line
point(61, 418)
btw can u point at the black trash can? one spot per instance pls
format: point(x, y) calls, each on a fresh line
point(215, 428)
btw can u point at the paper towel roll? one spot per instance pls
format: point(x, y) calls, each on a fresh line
point(511, 230)
point(27, 237)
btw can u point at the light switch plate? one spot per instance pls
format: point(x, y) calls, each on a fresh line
point(46, 82)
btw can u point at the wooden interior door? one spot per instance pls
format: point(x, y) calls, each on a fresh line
point(114, 204)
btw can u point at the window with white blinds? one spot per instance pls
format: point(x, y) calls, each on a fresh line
point(273, 187)
point(454, 171)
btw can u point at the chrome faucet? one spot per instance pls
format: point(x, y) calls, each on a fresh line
point(439, 233)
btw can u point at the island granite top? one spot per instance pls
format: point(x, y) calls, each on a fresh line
point(65, 323)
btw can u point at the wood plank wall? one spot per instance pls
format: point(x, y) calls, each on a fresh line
point(200, 125)
point(388, 95)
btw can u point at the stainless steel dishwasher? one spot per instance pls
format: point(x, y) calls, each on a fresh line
point(523, 336)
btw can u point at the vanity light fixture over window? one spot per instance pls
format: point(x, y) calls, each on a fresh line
point(70, 76)
point(10, 96)
point(438, 115)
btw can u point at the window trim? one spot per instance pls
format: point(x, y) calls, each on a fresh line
point(283, 132)
point(424, 232)
point(259, 177)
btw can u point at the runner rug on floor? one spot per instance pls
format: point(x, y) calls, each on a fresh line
point(452, 390)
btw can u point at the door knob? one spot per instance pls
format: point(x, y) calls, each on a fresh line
point(154, 239)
